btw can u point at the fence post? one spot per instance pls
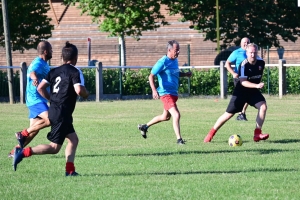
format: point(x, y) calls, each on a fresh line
point(99, 81)
point(23, 82)
point(282, 78)
point(223, 80)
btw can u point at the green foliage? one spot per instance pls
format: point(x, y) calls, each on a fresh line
point(135, 82)
point(28, 24)
point(126, 17)
point(261, 21)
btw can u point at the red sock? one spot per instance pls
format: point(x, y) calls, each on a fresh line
point(25, 133)
point(257, 131)
point(70, 167)
point(212, 132)
point(27, 152)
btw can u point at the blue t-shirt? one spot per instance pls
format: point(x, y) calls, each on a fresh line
point(236, 57)
point(41, 69)
point(167, 72)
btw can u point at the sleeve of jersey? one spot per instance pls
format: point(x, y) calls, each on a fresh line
point(232, 57)
point(81, 77)
point(76, 78)
point(157, 67)
point(242, 70)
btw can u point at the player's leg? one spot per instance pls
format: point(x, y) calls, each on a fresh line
point(176, 123)
point(165, 116)
point(242, 115)
point(235, 105)
point(260, 118)
point(38, 112)
point(70, 152)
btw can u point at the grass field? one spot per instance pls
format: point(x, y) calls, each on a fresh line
point(117, 163)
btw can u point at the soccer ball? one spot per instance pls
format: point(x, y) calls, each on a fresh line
point(235, 140)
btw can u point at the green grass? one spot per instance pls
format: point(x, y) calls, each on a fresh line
point(117, 163)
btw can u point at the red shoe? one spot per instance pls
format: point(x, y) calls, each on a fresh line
point(258, 137)
point(208, 138)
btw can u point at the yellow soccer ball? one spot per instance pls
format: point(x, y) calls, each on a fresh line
point(235, 140)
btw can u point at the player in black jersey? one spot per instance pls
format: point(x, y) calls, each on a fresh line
point(65, 85)
point(246, 91)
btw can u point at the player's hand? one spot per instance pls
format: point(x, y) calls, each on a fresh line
point(260, 85)
point(35, 82)
point(155, 94)
point(235, 75)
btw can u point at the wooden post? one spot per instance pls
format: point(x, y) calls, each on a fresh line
point(23, 82)
point(282, 78)
point(99, 81)
point(223, 80)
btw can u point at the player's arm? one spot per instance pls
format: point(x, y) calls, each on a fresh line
point(228, 67)
point(34, 78)
point(185, 74)
point(81, 91)
point(152, 85)
point(42, 89)
point(248, 84)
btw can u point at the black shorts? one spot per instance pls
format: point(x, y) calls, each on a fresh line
point(235, 81)
point(239, 99)
point(59, 130)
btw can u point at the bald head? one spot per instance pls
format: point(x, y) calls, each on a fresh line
point(44, 50)
point(244, 42)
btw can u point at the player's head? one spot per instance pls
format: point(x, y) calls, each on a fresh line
point(244, 42)
point(44, 50)
point(69, 53)
point(173, 49)
point(251, 52)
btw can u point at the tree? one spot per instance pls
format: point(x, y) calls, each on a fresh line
point(123, 17)
point(28, 24)
point(262, 21)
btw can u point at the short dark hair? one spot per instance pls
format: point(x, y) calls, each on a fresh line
point(171, 43)
point(69, 52)
point(43, 46)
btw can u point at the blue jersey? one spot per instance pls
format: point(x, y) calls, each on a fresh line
point(236, 57)
point(41, 69)
point(167, 72)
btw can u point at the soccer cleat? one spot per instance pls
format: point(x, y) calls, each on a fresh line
point(258, 137)
point(21, 139)
point(11, 153)
point(180, 141)
point(243, 117)
point(72, 174)
point(208, 138)
point(18, 157)
point(143, 128)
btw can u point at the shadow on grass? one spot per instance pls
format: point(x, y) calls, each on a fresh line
point(259, 151)
point(285, 141)
point(196, 172)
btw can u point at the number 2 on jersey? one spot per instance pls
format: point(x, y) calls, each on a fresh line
point(56, 88)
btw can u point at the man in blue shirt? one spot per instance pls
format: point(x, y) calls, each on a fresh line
point(235, 58)
point(37, 105)
point(167, 71)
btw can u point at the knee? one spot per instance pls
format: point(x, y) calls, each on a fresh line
point(47, 122)
point(264, 107)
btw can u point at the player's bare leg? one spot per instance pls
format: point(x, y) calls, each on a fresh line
point(219, 123)
point(70, 152)
point(176, 119)
point(260, 118)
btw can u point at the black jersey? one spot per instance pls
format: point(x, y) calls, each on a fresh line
point(62, 93)
point(253, 73)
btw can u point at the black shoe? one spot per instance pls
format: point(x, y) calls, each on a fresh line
point(244, 116)
point(72, 174)
point(180, 141)
point(143, 128)
point(18, 157)
point(241, 117)
point(21, 139)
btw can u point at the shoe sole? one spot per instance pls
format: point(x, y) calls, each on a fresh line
point(259, 139)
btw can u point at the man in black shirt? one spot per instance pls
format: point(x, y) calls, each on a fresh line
point(65, 85)
point(246, 91)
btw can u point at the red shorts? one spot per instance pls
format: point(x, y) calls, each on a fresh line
point(169, 101)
